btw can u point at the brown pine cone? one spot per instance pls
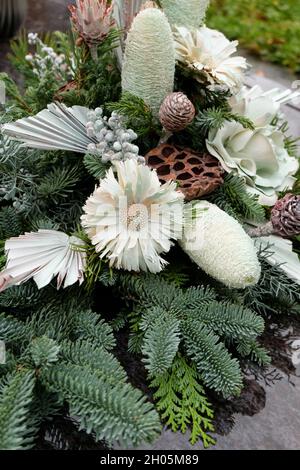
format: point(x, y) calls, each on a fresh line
point(176, 112)
point(286, 216)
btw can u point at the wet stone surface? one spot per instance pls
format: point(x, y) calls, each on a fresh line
point(276, 422)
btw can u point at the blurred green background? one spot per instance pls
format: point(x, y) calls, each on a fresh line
point(267, 28)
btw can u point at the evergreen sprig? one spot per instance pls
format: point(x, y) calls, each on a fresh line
point(86, 353)
point(74, 368)
point(118, 413)
point(58, 184)
point(161, 344)
point(218, 369)
point(182, 402)
point(95, 166)
point(89, 325)
point(275, 292)
point(215, 118)
point(229, 320)
point(233, 198)
point(136, 113)
point(164, 313)
point(17, 430)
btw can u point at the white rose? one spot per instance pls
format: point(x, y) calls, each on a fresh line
point(258, 155)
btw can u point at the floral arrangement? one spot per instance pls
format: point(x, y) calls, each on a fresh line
point(144, 194)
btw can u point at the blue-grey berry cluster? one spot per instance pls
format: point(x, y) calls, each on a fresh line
point(114, 140)
point(46, 59)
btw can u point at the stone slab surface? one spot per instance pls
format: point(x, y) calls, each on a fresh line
point(277, 427)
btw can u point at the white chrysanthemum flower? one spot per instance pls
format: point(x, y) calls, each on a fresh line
point(258, 155)
point(131, 218)
point(41, 256)
point(208, 53)
point(218, 244)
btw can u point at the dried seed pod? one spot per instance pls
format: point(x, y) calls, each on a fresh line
point(286, 216)
point(70, 86)
point(197, 174)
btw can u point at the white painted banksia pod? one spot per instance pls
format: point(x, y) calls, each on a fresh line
point(218, 244)
point(149, 61)
point(188, 13)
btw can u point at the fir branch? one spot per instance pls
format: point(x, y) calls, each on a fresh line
point(89, 325)
point(58, 184)
point(135, 342)
point(23, 296)
point(11, 224)
point(161, 344)
point(87, 354)
point(21, 107)
point(16, 426)
point(197, 297)
point(275, 292)
point(218, 369)
point(13, 331)
point(229, 320)
point(233, 198)
point(119, 321)
point(118, 413)
point(44, 351)
point(95, 166)
point(254, 351)
point(108, 277)
point(215, 118)
point(136, 113)
point(173, 274)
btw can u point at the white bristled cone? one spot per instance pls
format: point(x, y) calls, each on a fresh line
point(218, 244)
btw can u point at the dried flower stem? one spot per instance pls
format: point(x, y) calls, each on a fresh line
point(166, 135)
point(261, 231)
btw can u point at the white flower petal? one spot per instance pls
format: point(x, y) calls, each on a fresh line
point(139, 226)
point(257, 155)
point(209, 53)
point(43, 255)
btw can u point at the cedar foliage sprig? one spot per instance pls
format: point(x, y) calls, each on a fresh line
point(182, 402)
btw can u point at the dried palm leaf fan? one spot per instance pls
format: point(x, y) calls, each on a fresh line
point(124, 13)
point(12, 15)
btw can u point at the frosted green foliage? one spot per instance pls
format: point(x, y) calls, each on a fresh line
point(44, 351)
point(189, 13)
point(149, 61)
point(16, 425)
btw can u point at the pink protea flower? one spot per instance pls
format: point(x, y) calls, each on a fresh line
point(92, 19)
